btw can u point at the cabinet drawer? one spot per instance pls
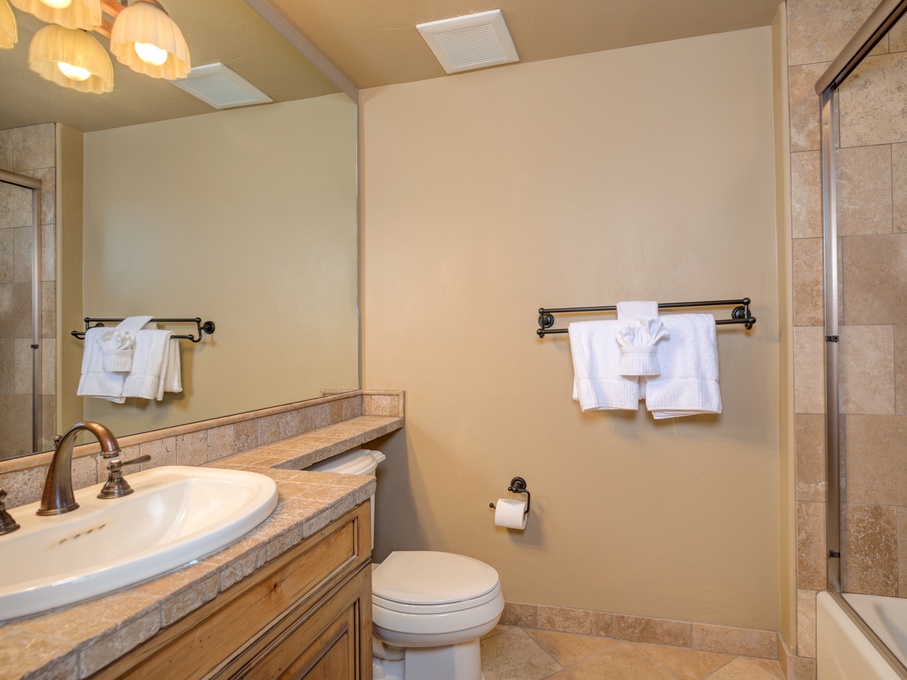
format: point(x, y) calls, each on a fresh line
point(329, 642)
point(220, 630)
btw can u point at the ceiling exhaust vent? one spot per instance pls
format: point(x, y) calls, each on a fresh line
point(217, 85)
point(470, 42)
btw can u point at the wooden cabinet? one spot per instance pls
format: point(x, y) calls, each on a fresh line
point(307, 615)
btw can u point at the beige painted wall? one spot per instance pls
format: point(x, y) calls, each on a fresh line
point(69, 273)
point(247, 218)
point(787, 467)
point(632, 174)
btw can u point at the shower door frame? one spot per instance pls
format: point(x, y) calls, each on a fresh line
point(35, 185)
point(861, 44)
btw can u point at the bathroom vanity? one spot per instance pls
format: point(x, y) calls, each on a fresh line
point(292, 595)
point(307, 613)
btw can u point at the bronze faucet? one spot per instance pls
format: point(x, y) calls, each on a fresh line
point(7, 523)
point(58, 497)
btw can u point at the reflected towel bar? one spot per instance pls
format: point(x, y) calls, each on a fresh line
point(203, 327)
point(739, 315)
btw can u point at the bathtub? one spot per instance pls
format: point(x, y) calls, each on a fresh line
point(844, 652)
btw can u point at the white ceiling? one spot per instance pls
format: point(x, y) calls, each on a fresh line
point(370, 42)
point(375, 42)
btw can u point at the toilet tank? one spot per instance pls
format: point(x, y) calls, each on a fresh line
point(356, 462)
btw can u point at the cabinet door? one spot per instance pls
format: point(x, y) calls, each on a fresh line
point(332, 643)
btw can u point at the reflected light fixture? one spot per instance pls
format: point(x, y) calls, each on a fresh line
point(9, 33)
point(72, 58)
point(67, 13)
point(148, 41)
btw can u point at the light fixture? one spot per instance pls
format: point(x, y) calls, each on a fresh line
point(72, 58)
point(9, 34)
point(147, 40)
point(72, 14)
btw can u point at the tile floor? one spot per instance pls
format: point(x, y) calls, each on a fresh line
point(511, 653)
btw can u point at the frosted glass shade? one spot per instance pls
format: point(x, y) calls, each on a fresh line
point(9, 33)
point(80, 14)
point(146, 23)
point(54, 44)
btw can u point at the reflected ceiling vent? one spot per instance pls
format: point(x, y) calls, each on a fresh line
point(220, 87)
point(470, 42)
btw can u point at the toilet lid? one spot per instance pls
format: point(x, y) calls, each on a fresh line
point(426, 578)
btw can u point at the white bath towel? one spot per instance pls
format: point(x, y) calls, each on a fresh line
point(118, 344)
point(597, 382)
point(155, 367)
point(639, 330)
point(688, 383)
point(95, 381)
point(637, 309)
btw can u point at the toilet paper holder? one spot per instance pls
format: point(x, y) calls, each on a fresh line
point(518, 485)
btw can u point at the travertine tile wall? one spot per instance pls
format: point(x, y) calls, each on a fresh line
point(683, 634)
point(212, 440)
point(872, 218)
point(27, 151)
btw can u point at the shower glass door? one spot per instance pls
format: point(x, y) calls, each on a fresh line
point(20, 316)
point(871, 173)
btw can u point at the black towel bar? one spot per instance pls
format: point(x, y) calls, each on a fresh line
point(203, 327)
point(739, 315)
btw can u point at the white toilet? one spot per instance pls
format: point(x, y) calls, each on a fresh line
point(429, 609)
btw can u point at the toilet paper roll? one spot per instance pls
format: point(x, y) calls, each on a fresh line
point(511, 514)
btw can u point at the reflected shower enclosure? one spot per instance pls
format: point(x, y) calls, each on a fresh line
point(27, 306)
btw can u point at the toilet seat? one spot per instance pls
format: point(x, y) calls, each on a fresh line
point(428, 582)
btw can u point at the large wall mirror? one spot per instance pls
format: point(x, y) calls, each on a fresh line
point(154, 202)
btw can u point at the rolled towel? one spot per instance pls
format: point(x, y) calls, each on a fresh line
point(637, 339)
point(639, 329)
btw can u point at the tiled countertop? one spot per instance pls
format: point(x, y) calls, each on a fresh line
point(78, 640)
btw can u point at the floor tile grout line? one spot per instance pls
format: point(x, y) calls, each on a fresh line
point(544, 651)
point(638, 647)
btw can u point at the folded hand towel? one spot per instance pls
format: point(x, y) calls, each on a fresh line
point(150, 365)
point(637, 339)
point(639, 329)
point(95, 381)
point(688, 383)
point(118, 343)
point(597, 383)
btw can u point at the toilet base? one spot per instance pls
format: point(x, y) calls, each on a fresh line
point(452, 662)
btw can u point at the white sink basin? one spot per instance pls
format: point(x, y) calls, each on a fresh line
point(175, 516)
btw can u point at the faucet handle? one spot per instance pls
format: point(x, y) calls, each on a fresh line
point(7, 523)
point(116, 485)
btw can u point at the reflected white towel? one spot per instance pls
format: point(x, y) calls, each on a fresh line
point(155, 366)
point(688, 383)
point(597, 382)
point(118, 343)
point(95, 381)
point(171, 380)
